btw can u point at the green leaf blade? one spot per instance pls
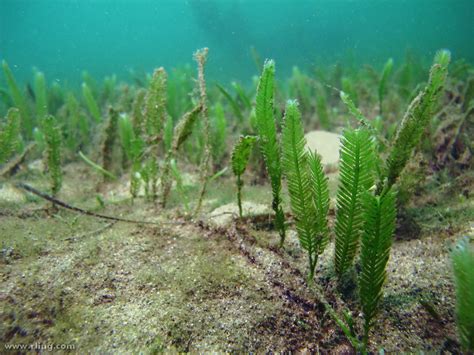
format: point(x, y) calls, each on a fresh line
point(266, 127)
point(463, 265)
point(379, 216)
point(357, 160)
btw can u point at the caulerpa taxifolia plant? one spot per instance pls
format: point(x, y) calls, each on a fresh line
point(201, 57)
point(41, 96)
point(379, 211)
point(132, 146)
point(9, 134)
point(137, 112)
point(154, 119)
point(91, 103)
point(182, 131)
point(19, 101)
point(174, 138)
point(126, 135)
point(382, 89)
point(136, 144)
point(415, 121)
point(358, 162)
point(356, 168)
point(168, 133)
point(463, 265)
point(266, 128)
point(307, 186)
point(110, 137)
point(364, 211)
point(52, 153)
point(359, 211)
point(240, 158)
point(77, 127)
point(379, 227)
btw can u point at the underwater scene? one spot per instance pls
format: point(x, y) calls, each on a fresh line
point(245, 176)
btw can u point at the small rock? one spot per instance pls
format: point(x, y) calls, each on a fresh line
point(326, 144)
point(224, 214)
point(9, 194)
point(37, 164)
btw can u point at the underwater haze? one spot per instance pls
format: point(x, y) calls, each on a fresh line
point(65, 37)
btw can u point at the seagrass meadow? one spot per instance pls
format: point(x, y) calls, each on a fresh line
point(236, 176)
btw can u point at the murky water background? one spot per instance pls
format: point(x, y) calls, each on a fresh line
point(65, 37)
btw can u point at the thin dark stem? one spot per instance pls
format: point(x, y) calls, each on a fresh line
point(57, 202)
point(239, 194)
point(365, 339)
point(312, 265)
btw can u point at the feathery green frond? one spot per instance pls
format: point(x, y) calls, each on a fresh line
point(295, 168)
point(241, 153)
point(108, 88)
point(155, 118)
point(320, 196)
point(379, 216)
point(168, 132)
point(200, 56)
point(266, 128)
point(91, 103)
point(40, 95)
point(91, 82)
point(463, 266)
point(182, 131)
point(137, 112)
point(10, 134)
point(126, 135)
point(354, 111)
point(356, 166)
point(5, 97)
point(347, 85)
point(240, 158)
point(77, 126)
point(110, 137)
point(387, 70)
point(52, 136)
point(19, 100)
point(149, 173)
point(415, 121)
point(184, 128)
point(155, 103)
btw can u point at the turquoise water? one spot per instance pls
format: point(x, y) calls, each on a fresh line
point(65, 37)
